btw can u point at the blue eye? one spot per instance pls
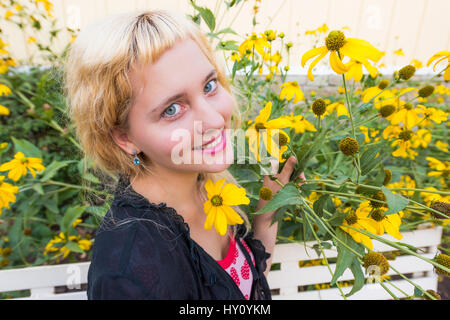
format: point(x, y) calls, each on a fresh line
point(171, 111)
point(215, 82)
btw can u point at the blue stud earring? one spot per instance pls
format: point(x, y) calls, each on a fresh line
point(136, 159)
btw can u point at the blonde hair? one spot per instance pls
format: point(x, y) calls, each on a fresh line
point(99, 91)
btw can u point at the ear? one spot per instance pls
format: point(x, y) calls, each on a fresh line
point(122, 140)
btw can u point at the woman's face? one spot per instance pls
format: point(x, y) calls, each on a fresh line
point(181, 108)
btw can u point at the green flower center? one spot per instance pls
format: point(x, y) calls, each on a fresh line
point(408, 106)
point(216, 200)
point(387, 110)
point(319, 107)
point(335, 40)
point(351, 218)
point(280, 139)
point(406, 135)
point(377, 215)
point(348, 146)
point(383, 84)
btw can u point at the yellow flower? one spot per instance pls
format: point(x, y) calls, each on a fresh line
point(253, 42)
point(405, 182)
point(8, 14)
point(441, 145)
point(355, 71)
point(442, 169)
point(31, 40)
point(4, 90)
point(421, 139)
point(300, 124)
point(391, 132)
point(416, 63)
point(19, 165)
point(7, 194)
point(339, 107)
point(263, 123)
point(218, 207)
point(407, 115)
point(399, 52)
point(48, 6)
point(442, 55)
point(85, 244)
point(429, 113)
point(76, 222)
point(359, 219)
point(336, 43)
point(369, 133)
point(291, 90)
point(4, 111)
point(429, 197)
point(386, 223)
point(404, 149)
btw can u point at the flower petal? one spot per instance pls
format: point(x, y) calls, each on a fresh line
point(312, 53)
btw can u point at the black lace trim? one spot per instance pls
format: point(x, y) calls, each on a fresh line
point(125, 195)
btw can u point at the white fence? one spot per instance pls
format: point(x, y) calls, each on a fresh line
point(41, 281)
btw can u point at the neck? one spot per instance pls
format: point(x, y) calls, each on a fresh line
point(177, 189)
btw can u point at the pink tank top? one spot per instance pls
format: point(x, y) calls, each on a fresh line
point(237, 266)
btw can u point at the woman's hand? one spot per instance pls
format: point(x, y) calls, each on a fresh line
point(262, 227)
point(283, 176)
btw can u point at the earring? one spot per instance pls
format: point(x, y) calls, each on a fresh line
point(136, 159)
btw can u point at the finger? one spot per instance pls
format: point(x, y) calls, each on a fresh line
point(287, 169)
point(302, 176)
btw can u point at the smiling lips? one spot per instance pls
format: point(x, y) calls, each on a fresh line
point(214, 145)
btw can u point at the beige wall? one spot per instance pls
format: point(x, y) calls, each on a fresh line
point(419, 27)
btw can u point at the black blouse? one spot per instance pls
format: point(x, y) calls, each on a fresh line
point(144, 250)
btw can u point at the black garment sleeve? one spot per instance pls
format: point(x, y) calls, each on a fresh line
point(118, 287)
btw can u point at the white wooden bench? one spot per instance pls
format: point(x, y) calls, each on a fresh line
point(284, 283)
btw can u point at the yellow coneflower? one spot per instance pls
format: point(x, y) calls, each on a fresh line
point(218, 207)
point(262, 122)
point(336, 43)
point(299, 123)
point(19, 165)
point(357, 219)
point(253, 42)
point(355, 70)
point(291, 90)
point(4, 111)
point(378, 260)
point(319, 107)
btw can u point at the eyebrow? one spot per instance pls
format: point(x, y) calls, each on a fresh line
point(179, 95)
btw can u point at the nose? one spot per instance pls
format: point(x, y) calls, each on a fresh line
point(212, 120)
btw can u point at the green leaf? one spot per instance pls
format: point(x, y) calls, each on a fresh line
point(73, 246)
point(369, 159)
point(53, 168)
point(319, 204)
point(394, 201)
point(70, 216)
point(227, 30)
point(345, 257)
point(89, 176)
point(358, 274)
point(287, 195)
point(206, 15)
point(38, 188)
point(26, 147)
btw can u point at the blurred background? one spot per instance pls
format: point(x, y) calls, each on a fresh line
point(403, 29)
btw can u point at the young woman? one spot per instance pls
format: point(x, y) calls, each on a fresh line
point(132, 80)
